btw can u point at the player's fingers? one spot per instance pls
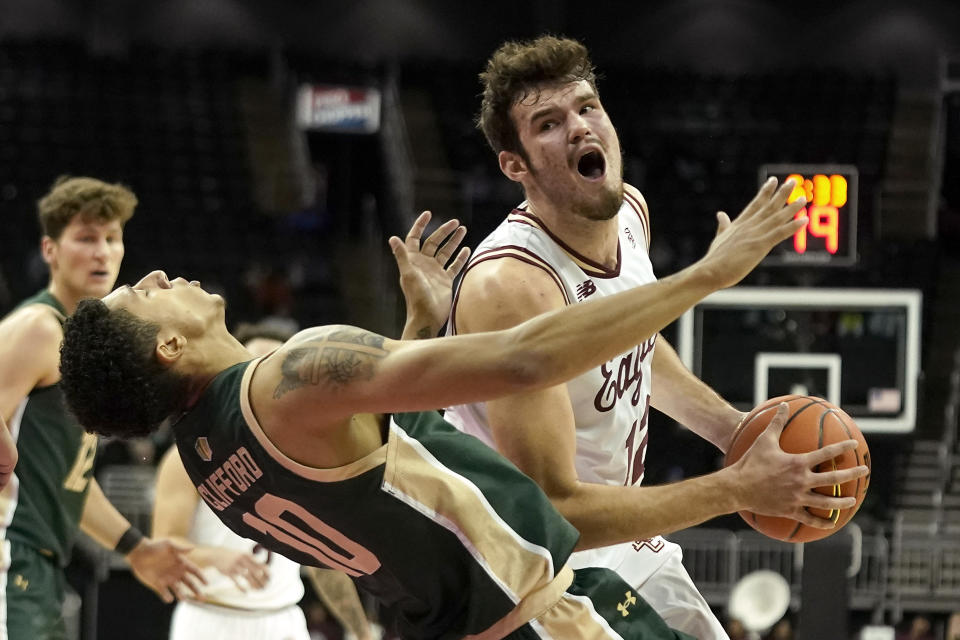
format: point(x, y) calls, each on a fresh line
point(193, 572)
point(785, 215)
point(723, 222)
point(259, 576)
point(185, 583)
point(839, 476)
point(432, 244)
point(762, 198)
point(775, 428)
point(816, 500)
point(451, 245)
point(256, 573)
point(416, 230)
point(238, 582)
point(829, 452)
point(457, 265)
point(807, 518)
point(779, 198)
point(165, 594)
point(399, 251)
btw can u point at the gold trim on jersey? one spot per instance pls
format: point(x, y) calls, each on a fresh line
point(574, 617)
point(370, 461)
point(535, 605)
point(414, 476)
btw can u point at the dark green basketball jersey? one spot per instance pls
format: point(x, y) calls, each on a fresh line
point(434, 523)
point(45, 500)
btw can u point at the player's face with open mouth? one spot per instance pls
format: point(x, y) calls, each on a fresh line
point(573, 153)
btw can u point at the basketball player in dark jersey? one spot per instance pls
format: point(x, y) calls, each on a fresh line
point(52, 492)
point(325, 451)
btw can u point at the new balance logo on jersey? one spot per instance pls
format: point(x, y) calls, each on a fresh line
point(586, 289)
point(203, 449)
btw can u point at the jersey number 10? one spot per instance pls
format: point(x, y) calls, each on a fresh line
point(313, 538)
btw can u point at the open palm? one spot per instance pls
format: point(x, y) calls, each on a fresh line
point(426, 278)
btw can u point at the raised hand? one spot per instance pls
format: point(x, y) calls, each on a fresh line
point(777, 483)
point(426, 278)
point(765, 222)
point(163, 566)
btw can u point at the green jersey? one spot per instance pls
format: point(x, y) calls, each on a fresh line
point(43, 503)
point(434, 523)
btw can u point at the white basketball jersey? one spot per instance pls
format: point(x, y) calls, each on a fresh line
point(283, 589)
point(610, 403)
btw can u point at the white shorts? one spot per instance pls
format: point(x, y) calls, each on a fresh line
point(198, 621)
point(655, 568)
point(672, 594)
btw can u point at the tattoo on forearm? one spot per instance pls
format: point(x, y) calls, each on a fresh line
point(335, 359)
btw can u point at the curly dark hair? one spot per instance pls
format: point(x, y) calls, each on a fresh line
point(111, 379)
point(518, 69)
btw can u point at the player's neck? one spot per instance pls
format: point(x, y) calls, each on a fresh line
point(210, 356)
point(594, 239)
point(65, 296)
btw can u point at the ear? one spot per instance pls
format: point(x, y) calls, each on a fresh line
point(170, 347)
point(512, 165)
point(48, 247)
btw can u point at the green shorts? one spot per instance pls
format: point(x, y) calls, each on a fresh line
point(33, 594)
point(599, 604)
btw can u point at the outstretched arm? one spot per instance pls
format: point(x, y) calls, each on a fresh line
point(159, 564)
point(324, 375)
point(339, 595)
point(537, 431)
point(688, 400)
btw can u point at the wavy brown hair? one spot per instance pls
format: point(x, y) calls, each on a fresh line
point(518, 70)
point(91, 199)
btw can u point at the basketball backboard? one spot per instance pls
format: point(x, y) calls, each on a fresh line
point(858, 348)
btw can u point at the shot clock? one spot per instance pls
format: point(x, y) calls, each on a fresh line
point(830, 236)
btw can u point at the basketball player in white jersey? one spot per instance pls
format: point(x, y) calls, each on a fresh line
point(250, 592)
point(582, 234)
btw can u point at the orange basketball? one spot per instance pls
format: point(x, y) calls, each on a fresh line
point(812, 423)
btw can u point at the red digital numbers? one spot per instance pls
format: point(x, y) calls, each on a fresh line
point(825, 195)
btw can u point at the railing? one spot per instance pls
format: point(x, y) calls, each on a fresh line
point(717, 558)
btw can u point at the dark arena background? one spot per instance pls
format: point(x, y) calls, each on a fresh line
point(274, 146)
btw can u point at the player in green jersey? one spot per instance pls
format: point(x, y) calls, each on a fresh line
point(306, 451)
point(52, 492)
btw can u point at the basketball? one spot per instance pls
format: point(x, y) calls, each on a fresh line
point(812, 423)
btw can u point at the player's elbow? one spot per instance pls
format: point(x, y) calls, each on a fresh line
point(525, 362)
